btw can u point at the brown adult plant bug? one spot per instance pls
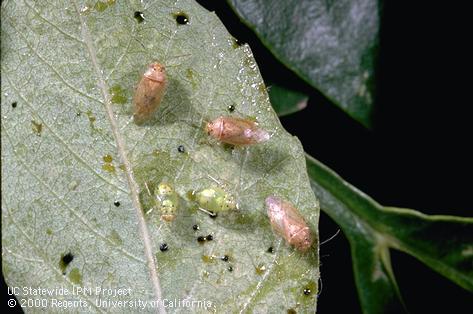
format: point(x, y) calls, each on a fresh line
point(289, 223)
point(236, 131)
point(149, 92)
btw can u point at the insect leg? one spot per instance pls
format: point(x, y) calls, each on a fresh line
point(149, 193)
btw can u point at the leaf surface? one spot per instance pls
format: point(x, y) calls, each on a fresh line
point(443, 243)
point(330, 44)
point(75, 166)
point(285, 100)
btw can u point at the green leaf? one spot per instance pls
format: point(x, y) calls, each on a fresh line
point(75, 167)
point(444, 243)
point(286, 101)
point(330, 44)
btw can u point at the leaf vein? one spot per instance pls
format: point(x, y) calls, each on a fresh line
point(143, 229)
point(44, 258)
point(63, 142)
point(52, 24)
point(68, 207)
point(263, 279)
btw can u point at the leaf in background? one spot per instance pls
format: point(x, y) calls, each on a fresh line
point(74, 165)
point(444, 243)
point(330, 44)
point(286, 101)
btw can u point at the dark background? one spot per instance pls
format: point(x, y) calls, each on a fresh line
point(417, 156)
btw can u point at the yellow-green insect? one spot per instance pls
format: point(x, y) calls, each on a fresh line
point(166, 201)
point(214, 200)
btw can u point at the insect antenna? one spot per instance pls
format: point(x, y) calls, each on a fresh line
point(208, 212)
point(331, 238)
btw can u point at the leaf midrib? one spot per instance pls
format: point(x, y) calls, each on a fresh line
point(380, 235)
point(121, 148)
